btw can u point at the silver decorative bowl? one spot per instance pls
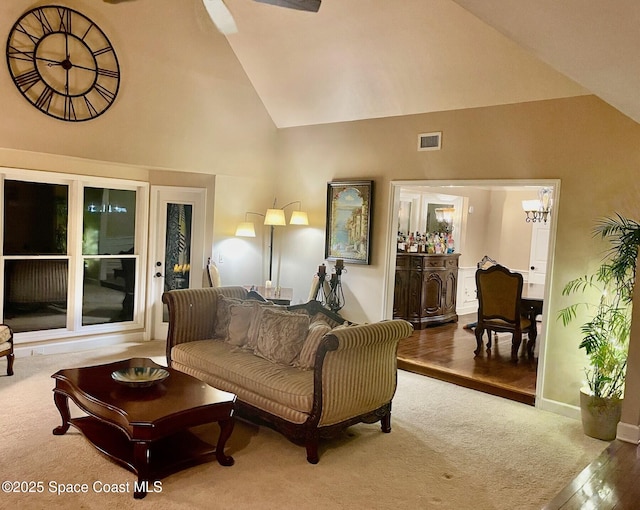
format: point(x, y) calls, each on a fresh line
point(140, 377)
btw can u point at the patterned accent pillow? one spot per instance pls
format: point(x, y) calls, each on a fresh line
point(324, 318)
point(280, 335)
point(222, 316)
point(347, 324)
point(316, 332)
point(241, 316)
point(252, 337)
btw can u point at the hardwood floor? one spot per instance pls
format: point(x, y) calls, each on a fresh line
point(446, 352)
point(610, 482)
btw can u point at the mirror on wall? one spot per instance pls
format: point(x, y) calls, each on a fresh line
point(404, 216)
point(427, 214)
point(440, 218)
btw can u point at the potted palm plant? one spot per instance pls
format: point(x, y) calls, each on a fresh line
point(605, 335)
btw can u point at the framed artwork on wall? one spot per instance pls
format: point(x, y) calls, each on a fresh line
point(348, 230)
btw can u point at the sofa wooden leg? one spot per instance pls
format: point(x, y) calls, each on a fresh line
point(10, 364)
point(385, 423)
point(312, 449)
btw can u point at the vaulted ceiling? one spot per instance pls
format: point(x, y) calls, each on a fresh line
point(360, 59)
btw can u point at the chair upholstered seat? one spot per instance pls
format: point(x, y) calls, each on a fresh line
point(496, 324)
point(6, 346)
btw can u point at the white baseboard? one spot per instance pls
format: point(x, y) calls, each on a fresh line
point(628, 433)
point(464, 310)
point(75, 344)
point(561, 408)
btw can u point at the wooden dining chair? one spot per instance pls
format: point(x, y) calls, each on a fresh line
point(499, 307)
point(213, 274)
point(483, 264)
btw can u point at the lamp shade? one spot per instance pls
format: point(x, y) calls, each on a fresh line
point(274, 217)
point(246, 229)
point(299, 218)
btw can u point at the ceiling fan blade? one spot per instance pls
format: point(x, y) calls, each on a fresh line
point(221, 16)
point(301, 5)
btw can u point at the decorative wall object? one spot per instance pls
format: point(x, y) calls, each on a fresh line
point(62, 63)
point(348, 227)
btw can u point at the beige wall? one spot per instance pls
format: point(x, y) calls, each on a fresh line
point(186, 105)
point(593, 149)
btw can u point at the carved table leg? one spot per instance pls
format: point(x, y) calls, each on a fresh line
point(226, 427)
point(62, 403)
point(141, 462)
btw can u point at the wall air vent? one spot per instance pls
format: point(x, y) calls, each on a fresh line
point(430, 141)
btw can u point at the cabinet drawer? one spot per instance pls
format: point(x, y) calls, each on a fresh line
point(402, 261)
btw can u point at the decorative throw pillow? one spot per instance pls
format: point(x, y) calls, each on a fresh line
point(240, 320)
point(316, 332)
point(325, 318)
point(252, 334)
point(280, 335)
point(222, 315)
point(346, 324)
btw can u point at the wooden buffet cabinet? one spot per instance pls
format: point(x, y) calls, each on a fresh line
point(425, 288)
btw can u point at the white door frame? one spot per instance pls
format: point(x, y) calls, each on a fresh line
point(160, 196)
point(391, 247)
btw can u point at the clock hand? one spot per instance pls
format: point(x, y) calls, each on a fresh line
point(84, 68)
point(50, 61)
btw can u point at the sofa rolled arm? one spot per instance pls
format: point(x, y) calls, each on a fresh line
point(192, 313)
point(356, 369)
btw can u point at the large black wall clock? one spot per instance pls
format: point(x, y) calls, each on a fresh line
point(62, 63)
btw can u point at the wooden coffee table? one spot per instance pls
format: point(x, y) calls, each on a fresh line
point(146, 430)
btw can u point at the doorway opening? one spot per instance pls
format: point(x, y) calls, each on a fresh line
point(488, 220)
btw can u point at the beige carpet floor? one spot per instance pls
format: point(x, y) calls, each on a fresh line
point(450, 448)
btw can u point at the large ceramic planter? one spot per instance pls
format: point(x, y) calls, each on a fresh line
point(600, 416)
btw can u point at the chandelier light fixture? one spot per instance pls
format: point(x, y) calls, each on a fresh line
point(540, 209)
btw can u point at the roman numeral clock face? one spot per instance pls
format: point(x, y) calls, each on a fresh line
point(62, 63)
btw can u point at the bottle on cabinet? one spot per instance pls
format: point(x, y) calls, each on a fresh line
point(428, 242)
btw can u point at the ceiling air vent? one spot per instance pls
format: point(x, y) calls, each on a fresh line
point(430, 141)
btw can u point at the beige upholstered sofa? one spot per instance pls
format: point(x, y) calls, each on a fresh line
point(297, 368)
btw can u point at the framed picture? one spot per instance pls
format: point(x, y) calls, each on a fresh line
point(349, 208)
